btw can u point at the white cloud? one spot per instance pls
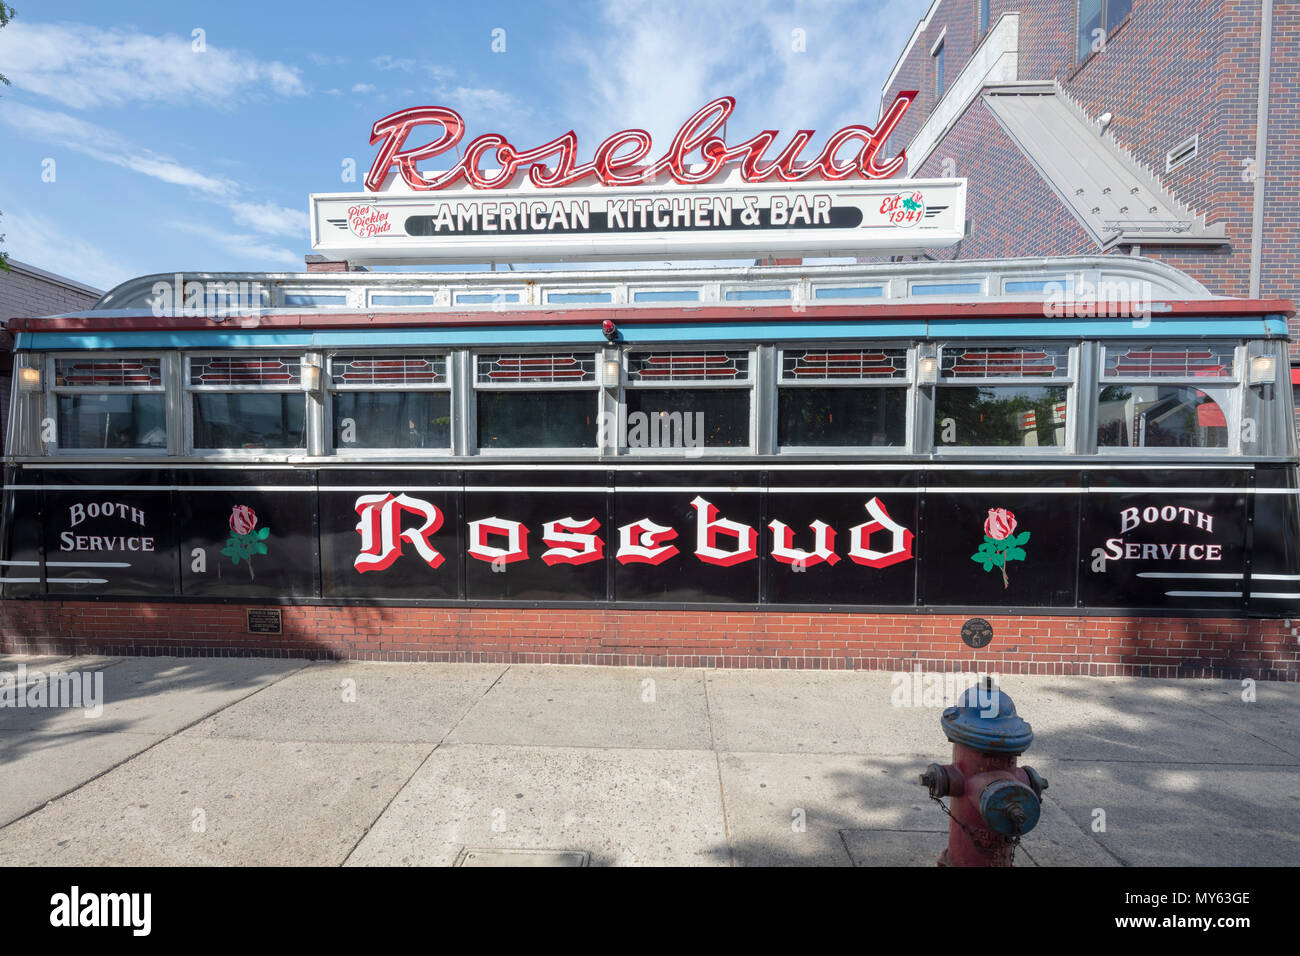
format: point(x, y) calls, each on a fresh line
point(271, 219)
point(652, 63)
point(483, 103)
point(250, 251)
point(103, 144)
point(83, 66)
point(407, 65)
point(60, 129)
point(36, 240)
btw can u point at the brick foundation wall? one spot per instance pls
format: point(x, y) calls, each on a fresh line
point(1095, 646)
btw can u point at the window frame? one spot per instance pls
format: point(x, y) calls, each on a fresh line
point(908, 382)
point(329, 389)
point(1109, 32)
point(473, 387)
point(188, 390)
point(937, 58)
point(1233, 385)
point(1070, 381)
point(52, 393)
point(749, 382)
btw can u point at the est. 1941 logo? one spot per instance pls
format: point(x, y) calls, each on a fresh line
point(903, 209)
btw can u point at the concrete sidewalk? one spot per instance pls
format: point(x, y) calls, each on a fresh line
point(249, 761)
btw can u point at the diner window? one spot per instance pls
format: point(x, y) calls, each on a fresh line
point(109, 403)
point(843, 398)
point(1166, 395)
point(937, 55)
point(983, 16)
point(683, 399)
point(1095, 22)
point(390, 401)
point(536, 400)
point(1003, 396)
point(247, 402)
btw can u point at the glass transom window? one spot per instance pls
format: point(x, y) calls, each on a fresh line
point(705, 391)
point(1167, 395)
point(390, 401)
point(104, 404)
point(1003, 396)
point(538, 400)
point(247, 402)
point(843, 397)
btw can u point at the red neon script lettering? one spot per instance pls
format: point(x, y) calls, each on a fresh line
point(618, 160)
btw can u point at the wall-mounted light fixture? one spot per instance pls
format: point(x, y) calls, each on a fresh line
point(612, 373)
point(311, 377)
point(609, 330)
point(927, 367)
point(1263, 370)
point(29, 379)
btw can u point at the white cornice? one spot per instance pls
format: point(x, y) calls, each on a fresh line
point(994, 62)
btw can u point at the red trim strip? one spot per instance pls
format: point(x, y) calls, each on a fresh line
point(631, 316)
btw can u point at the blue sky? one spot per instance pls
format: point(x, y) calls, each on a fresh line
point(165, 158)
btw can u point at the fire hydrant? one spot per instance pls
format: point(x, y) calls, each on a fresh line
point(994, 802)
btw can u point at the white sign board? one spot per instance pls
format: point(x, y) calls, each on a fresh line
point(730, 219)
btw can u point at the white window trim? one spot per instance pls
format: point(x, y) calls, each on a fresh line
point(1070, 381)
point(475, 386)
point(53, 391)
point(330, 389)
point(748, 383)
point(189, 390)
point(907, 381)
point(1232, 386)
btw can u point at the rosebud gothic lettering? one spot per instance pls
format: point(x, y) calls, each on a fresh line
point(878, 542)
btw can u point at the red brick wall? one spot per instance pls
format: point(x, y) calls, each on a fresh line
point(1008, 203)
point(1098, 646)
point(26, 294)
point(1175, 68)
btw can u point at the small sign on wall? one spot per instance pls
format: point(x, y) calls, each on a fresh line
point(263, 620)
point(977, 632)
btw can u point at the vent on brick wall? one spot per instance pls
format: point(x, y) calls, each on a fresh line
point(1184, 152)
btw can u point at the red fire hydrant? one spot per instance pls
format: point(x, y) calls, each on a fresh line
point(994, 802)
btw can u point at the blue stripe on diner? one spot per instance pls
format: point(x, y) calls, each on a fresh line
point(1252, 327)
point(695, 332)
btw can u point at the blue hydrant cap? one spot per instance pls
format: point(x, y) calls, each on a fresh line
point(985, 719)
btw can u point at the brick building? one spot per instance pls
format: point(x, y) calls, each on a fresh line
point(1120, 126)
point(26, 291)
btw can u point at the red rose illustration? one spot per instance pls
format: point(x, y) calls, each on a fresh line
point(1001, 544)
point(242, 519)
point(999, 523)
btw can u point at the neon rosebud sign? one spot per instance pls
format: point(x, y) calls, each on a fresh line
point(621, 159)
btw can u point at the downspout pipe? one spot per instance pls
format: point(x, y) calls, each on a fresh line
point(1261, 147)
